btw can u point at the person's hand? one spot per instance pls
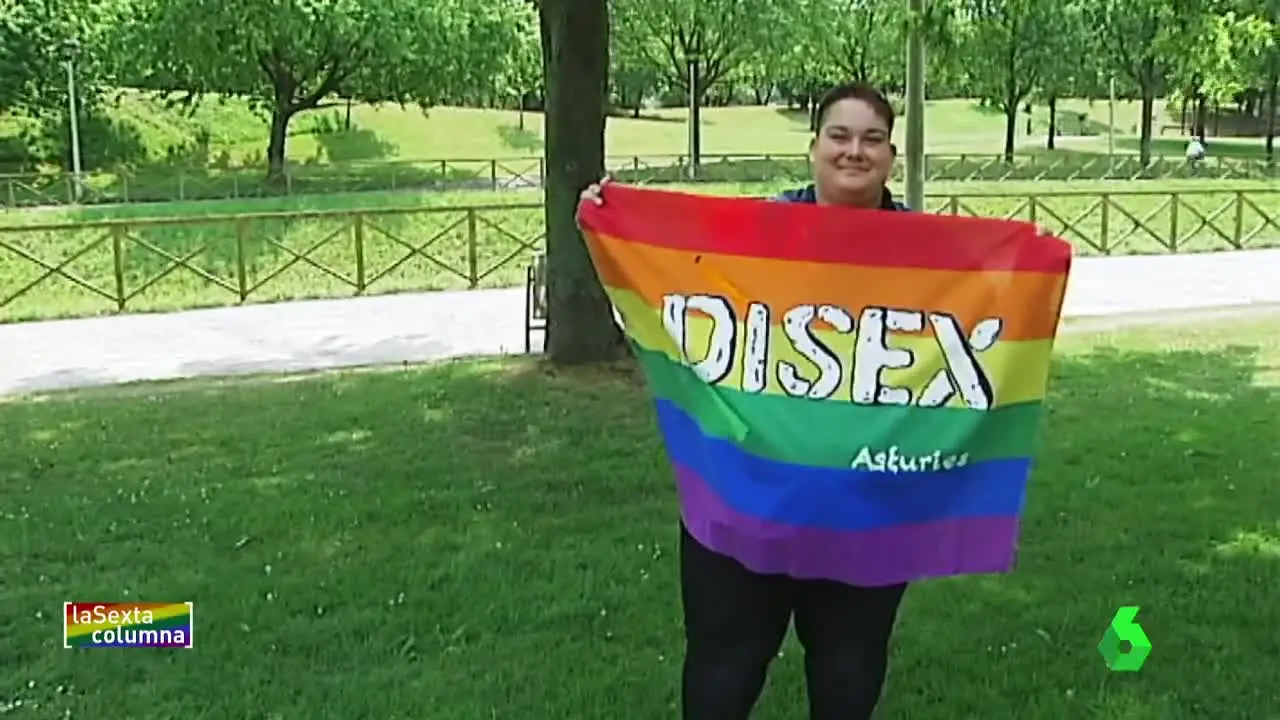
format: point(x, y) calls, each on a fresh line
point(595, 191)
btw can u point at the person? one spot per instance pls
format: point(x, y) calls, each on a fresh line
point(1195, 153)
point(735, 619)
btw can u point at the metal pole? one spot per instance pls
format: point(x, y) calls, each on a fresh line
point(915, 104)
point(1111, 130)
point(75, 130)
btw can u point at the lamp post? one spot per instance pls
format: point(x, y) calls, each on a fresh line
point(71, 49)
point(915, 104)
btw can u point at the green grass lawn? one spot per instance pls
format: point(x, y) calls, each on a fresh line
point(238, 136)
point(216, 239)
point(492, 539)
point(173, 155)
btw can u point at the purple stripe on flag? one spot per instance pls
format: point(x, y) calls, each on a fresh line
point(885, 556)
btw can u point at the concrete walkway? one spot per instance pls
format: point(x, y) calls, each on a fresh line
point(429, 326)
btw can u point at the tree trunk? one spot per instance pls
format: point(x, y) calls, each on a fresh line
point(1010, 128)
point(575, 51)
point(276, 143)
point(1144, 125)
point(699, 99)
point(1053, 121)
point(1272, 92)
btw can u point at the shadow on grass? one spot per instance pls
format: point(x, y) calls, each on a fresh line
point(494, 539)
point(104, 141)
point(1248, 148)
point(1162, 507)
point(628, 114)
point(799, 117)
point(517, 138)
point(1076, 124)
point(720, 170)
point(354, 145)
point(15, 155)
point(989, 109)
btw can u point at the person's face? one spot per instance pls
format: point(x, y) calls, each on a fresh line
point(852, 154)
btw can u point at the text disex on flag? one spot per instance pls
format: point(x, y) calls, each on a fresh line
point(843, 394)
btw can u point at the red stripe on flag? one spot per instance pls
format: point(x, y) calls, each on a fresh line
point(824, 234)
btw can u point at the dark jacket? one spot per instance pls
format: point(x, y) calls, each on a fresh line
point(808, 194)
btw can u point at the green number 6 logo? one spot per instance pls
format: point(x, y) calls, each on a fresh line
point(1123, 630)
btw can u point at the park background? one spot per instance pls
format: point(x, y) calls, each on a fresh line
point(493, 538)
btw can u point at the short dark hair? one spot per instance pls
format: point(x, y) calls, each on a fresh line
point(854, 91)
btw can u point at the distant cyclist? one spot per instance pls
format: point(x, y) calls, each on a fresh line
point(1195, 153)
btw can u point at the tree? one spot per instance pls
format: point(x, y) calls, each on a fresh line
point(798, 53)
point(523, 78)
point(18, 55)
point(1068, 66)
point(1270, 51)
point(288, 57)
point(37, 40)
point(718, 34)
point(824, 42)
point(1143, 41)
point(1243, 57)
point(1007, 45)
point(633, 69)
point(862, 39)
point(575, 52)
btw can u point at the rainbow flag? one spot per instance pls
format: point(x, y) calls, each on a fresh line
point(94, 624)
point(844, 394)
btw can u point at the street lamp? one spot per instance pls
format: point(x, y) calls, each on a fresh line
point(915, 104)
point(70, 49)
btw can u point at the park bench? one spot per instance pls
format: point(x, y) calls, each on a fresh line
point(535, 300)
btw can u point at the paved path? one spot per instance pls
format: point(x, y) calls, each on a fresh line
point(427, 326)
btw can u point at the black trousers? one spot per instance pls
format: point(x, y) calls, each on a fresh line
point(736, 620)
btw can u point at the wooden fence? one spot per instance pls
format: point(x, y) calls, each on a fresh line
point(84, 268)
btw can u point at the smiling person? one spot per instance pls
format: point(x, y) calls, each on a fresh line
point(852, 153)
point(736, 618)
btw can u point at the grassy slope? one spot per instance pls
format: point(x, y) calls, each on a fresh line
point(237, 136)
point(493, 540)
